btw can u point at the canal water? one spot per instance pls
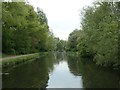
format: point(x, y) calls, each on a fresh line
point(60, 70)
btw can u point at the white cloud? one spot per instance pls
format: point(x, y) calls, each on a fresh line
point(62, 34)
point(63, 15)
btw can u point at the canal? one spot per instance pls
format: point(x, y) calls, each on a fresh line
point(60, 70)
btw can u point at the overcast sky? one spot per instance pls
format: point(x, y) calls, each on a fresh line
point(63, 15)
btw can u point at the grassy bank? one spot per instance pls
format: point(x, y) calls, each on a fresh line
point(16, 60)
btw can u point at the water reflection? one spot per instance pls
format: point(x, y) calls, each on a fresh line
point(73, 65)
point(30, 75)
point(61, 70)
point(62, 78)
point(93, 76)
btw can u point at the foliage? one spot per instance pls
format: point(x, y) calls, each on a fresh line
point(60, 45)
point(73, 40)
point(24, 30)
point(99, 37)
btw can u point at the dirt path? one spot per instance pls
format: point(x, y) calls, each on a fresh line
point(10, 57)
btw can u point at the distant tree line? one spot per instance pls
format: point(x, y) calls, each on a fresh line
point(99, 37)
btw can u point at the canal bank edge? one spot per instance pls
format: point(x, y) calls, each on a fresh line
point(12, 61)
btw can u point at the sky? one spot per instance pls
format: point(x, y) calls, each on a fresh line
point(63, 15)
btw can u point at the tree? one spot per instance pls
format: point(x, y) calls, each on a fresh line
point(73, 40)
point(99, 36)
point(24, 30)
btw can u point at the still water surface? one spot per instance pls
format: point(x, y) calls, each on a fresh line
point(60, 70)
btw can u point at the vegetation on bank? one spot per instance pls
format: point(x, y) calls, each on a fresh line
point(26, 31)
point(99, 37)
point(13, 61)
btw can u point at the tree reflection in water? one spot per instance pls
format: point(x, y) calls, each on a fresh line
point(93, 76)
point(35, 74)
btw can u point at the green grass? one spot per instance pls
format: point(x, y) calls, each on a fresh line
point(18, 60)
point(2, 55)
